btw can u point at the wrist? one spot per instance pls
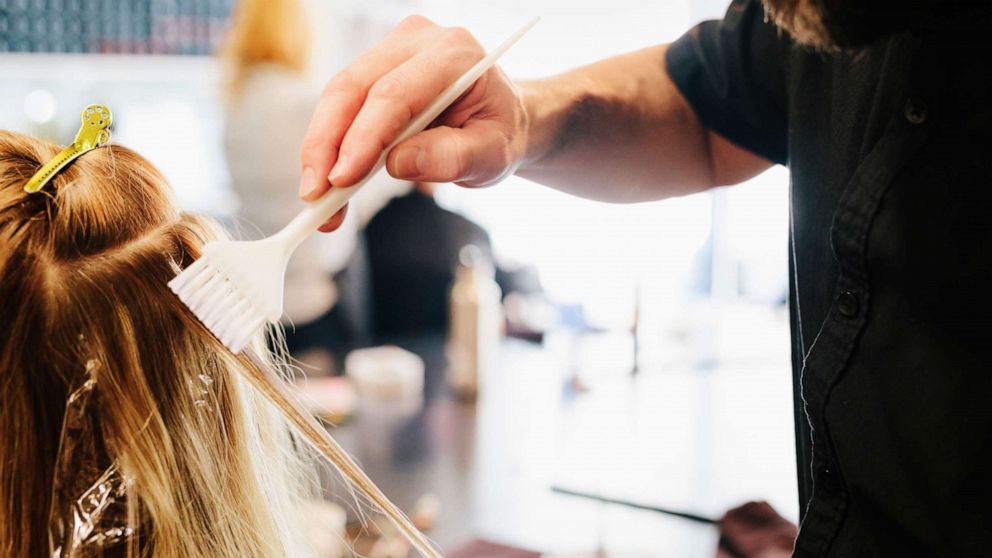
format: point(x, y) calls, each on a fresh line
point(551, 107)
point(535, 123)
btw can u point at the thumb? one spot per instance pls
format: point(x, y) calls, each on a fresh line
point(475, 155)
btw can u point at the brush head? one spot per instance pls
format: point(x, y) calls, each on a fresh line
point(234, 288)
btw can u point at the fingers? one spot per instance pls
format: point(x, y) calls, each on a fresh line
point(364, 108)
point(475, 155)
point(395, 98)
point(335, 221)
point(342, 99)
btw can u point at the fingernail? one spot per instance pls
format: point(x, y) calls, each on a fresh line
point(308, 183)
point(407, 162)
point(340, 167)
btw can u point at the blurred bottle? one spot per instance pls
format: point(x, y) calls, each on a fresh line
point(474, 328)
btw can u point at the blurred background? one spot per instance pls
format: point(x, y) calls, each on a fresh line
point(483, 353)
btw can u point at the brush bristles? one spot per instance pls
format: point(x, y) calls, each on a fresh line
point(218, 303)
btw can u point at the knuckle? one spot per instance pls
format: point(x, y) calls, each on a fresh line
point(457, 36)
point(457, 165)
point(387, 88)
point(461, 45)
point(496, 162)
point(475, 48)
point(414, 22)
point(343, 82)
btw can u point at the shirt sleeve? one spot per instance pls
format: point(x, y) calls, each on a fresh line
point(731, 73)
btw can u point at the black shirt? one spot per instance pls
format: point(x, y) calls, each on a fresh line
point(413, 246)
point(890, 153)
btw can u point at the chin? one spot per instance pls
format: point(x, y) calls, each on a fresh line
point(846, 25)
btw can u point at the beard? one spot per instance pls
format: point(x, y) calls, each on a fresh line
point(846, 25)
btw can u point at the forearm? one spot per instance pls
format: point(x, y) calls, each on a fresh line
point(620, 131)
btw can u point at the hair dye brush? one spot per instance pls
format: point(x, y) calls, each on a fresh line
point(236, 287)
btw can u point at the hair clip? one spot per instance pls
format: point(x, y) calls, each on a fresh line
point(93, 132)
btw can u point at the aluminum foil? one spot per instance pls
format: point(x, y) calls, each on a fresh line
point(90, 514)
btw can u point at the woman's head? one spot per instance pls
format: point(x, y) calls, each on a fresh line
point(83, 269)
point(198, 440)
point(273, 32)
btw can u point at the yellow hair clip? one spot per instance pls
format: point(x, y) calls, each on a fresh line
point(93, 132)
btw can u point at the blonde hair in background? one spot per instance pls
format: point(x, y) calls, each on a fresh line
point(265, 32)
point(214, 471)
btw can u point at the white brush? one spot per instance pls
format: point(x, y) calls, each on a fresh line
point(237, 286)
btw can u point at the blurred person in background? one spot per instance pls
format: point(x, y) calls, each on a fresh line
point(413, 246)
point(880, 111)
point(270, 93)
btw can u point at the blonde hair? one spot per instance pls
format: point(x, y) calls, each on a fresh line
point(202, 436)
point(264, 32)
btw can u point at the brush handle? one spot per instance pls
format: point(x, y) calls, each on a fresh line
point(318, 212)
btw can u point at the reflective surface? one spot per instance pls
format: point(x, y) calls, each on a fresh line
point(699, 434)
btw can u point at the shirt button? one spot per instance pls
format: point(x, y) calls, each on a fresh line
point(826, 478)
point(847, 304)
point(915, 110)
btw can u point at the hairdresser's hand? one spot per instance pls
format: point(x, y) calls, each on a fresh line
point(478, 141)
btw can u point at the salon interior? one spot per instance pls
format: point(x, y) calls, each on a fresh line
point(524, 373)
